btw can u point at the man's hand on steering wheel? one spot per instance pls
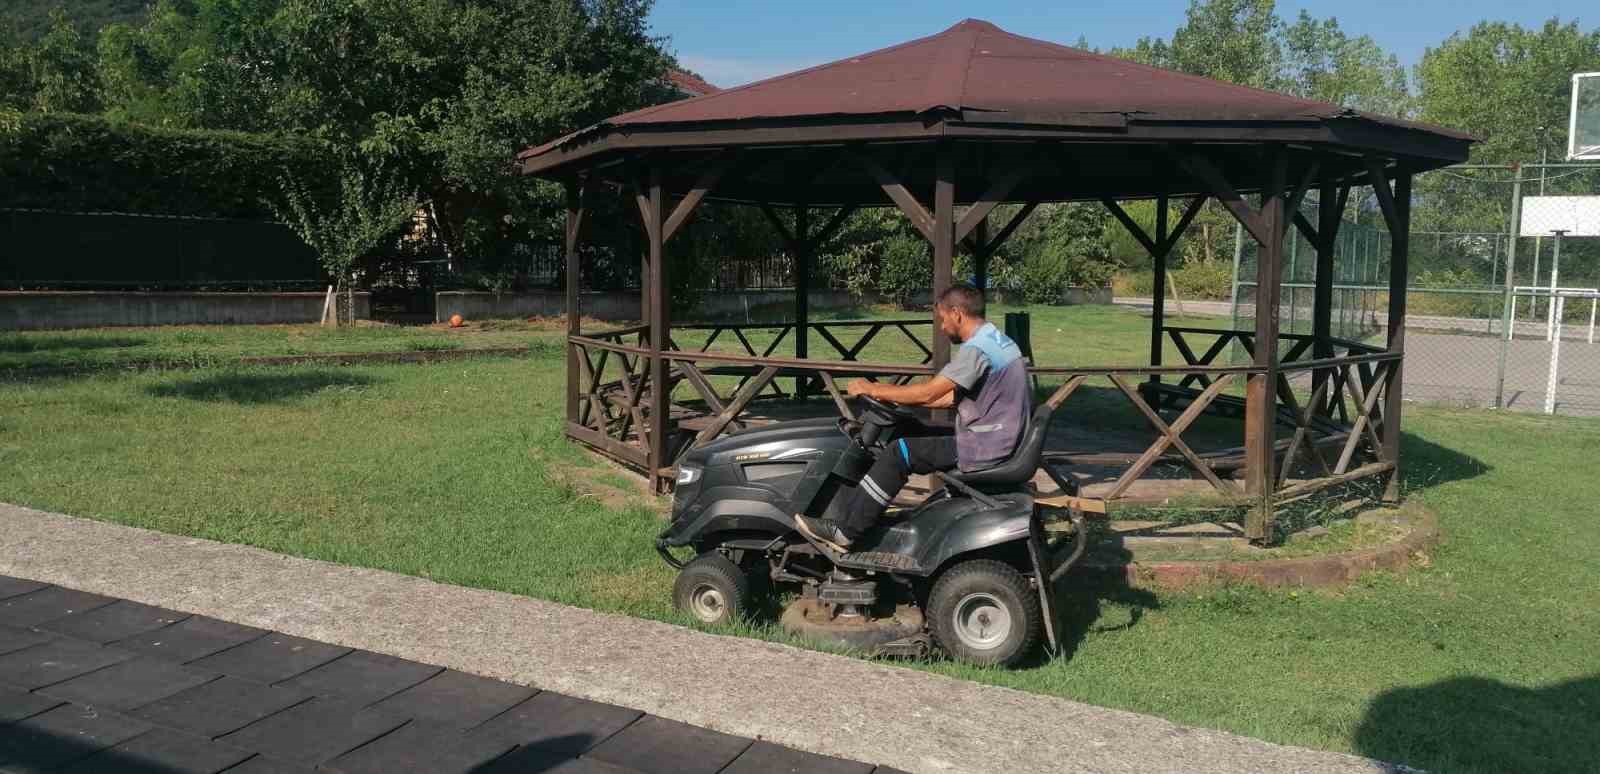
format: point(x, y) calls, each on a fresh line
point(859, 387)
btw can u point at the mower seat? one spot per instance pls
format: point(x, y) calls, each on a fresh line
point(1013, 473)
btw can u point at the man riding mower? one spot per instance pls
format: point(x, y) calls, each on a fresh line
point(801, 505)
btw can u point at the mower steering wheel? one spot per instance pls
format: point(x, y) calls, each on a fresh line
point(890, 411)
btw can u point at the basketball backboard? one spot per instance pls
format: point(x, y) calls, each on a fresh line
point(1583, 133)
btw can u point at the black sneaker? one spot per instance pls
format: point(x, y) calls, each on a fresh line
point(823, 531)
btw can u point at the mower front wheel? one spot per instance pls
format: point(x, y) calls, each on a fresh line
point(982, 612)
point(712, 589)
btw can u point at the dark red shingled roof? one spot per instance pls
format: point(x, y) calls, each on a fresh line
point(690, 84)
point(976, 71)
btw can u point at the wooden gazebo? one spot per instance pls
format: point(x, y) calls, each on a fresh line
point(950, 126)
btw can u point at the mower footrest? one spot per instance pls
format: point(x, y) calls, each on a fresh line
point(878, 560)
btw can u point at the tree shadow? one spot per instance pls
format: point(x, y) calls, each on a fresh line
point(1425, 464)
point(1476, 724)
point(14, 343)
point(1081, 603)
point(258, 388)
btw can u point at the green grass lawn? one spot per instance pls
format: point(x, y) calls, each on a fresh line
point(208, 345)
point(1482, 659)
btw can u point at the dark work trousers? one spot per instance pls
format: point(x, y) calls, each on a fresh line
point(857, 508)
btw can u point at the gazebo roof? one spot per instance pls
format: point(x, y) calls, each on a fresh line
point(975, 75)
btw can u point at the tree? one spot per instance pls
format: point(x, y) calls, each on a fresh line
point(371, 204)
point(447, 90)
point(1230, 40)
point(1507, 84)
point(1323, 63)
point(54, 74)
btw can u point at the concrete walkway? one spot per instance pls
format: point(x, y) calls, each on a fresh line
point(832, 705)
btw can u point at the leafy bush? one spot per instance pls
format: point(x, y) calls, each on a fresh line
point(1199, 281)
point(83, 163)
point(906, 267)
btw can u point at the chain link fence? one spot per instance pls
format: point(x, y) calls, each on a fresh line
point(1499, 309)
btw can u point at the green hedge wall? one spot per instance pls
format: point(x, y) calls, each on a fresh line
point(80, 163)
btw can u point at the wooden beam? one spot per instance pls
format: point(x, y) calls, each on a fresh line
point(1011, 226)
point(802, 290)
point(1170, 436)
point(1260, 392)
point(1226, 194)
point(702, 186)
point(788, 237)
point(832, 226)
point(1183, 223)
point(1299, 193)
point(1158, 288)
point(838, 396)
point(740, 401)
point(575, 190)
point(1133, 228)
point(660, 331)
point(902, 198)
point(1306, 229)
point(980, 256)
point(991, 198)
point(1399, 268)
point(1065, 391)
point(943, 238)
point(1386, 197)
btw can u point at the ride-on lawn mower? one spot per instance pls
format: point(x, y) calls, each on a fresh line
point(969, 570)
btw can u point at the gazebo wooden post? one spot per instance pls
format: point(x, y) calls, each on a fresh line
point(1158, 289)
point(657, 321)
point(1396, 206)
point(981, 252)
point(1330, 207)
point(944, 234)
point(575, 194)
point(801, 249)
point(1261, 402)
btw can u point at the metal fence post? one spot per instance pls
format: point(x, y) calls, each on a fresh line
point(1510, 279)
point(1233, 292)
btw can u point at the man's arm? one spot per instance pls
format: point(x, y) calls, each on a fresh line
point(938, 392)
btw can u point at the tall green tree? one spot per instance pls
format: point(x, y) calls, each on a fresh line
point(53, 74)
point(1230, 40)
point(1322, 62)
point(445, 91)
point(1508, 84)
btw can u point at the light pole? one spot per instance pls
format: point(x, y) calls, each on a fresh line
point(1538, 242)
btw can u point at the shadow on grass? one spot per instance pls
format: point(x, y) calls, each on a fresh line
point(1081, 605)
point(1477, 724)
point(45, 342)
point(257, 388)
point(1426, 464)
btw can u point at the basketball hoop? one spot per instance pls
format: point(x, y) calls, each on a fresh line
point(1583, 128)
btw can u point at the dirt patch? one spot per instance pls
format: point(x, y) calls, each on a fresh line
point(611, 488)
point(1380, 539)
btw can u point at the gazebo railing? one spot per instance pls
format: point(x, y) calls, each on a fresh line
point(613, 385)
point(1336, 428)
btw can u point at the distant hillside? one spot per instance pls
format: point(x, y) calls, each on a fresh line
point(32, 17)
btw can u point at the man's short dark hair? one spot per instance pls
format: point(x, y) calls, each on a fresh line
point(964, 297)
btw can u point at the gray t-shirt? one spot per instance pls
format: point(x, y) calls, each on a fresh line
point(993, 398)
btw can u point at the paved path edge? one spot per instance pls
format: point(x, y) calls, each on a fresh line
point(834, 705)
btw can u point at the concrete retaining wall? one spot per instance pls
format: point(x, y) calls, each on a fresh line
point(41, 310)
point(476, 305)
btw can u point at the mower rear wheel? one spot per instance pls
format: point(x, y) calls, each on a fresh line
point(712, 589)
point(982, 612)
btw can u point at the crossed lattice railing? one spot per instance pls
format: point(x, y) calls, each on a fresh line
point(1329, 408)
point(614, 381)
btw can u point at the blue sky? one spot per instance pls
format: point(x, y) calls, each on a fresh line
point(737, 42)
